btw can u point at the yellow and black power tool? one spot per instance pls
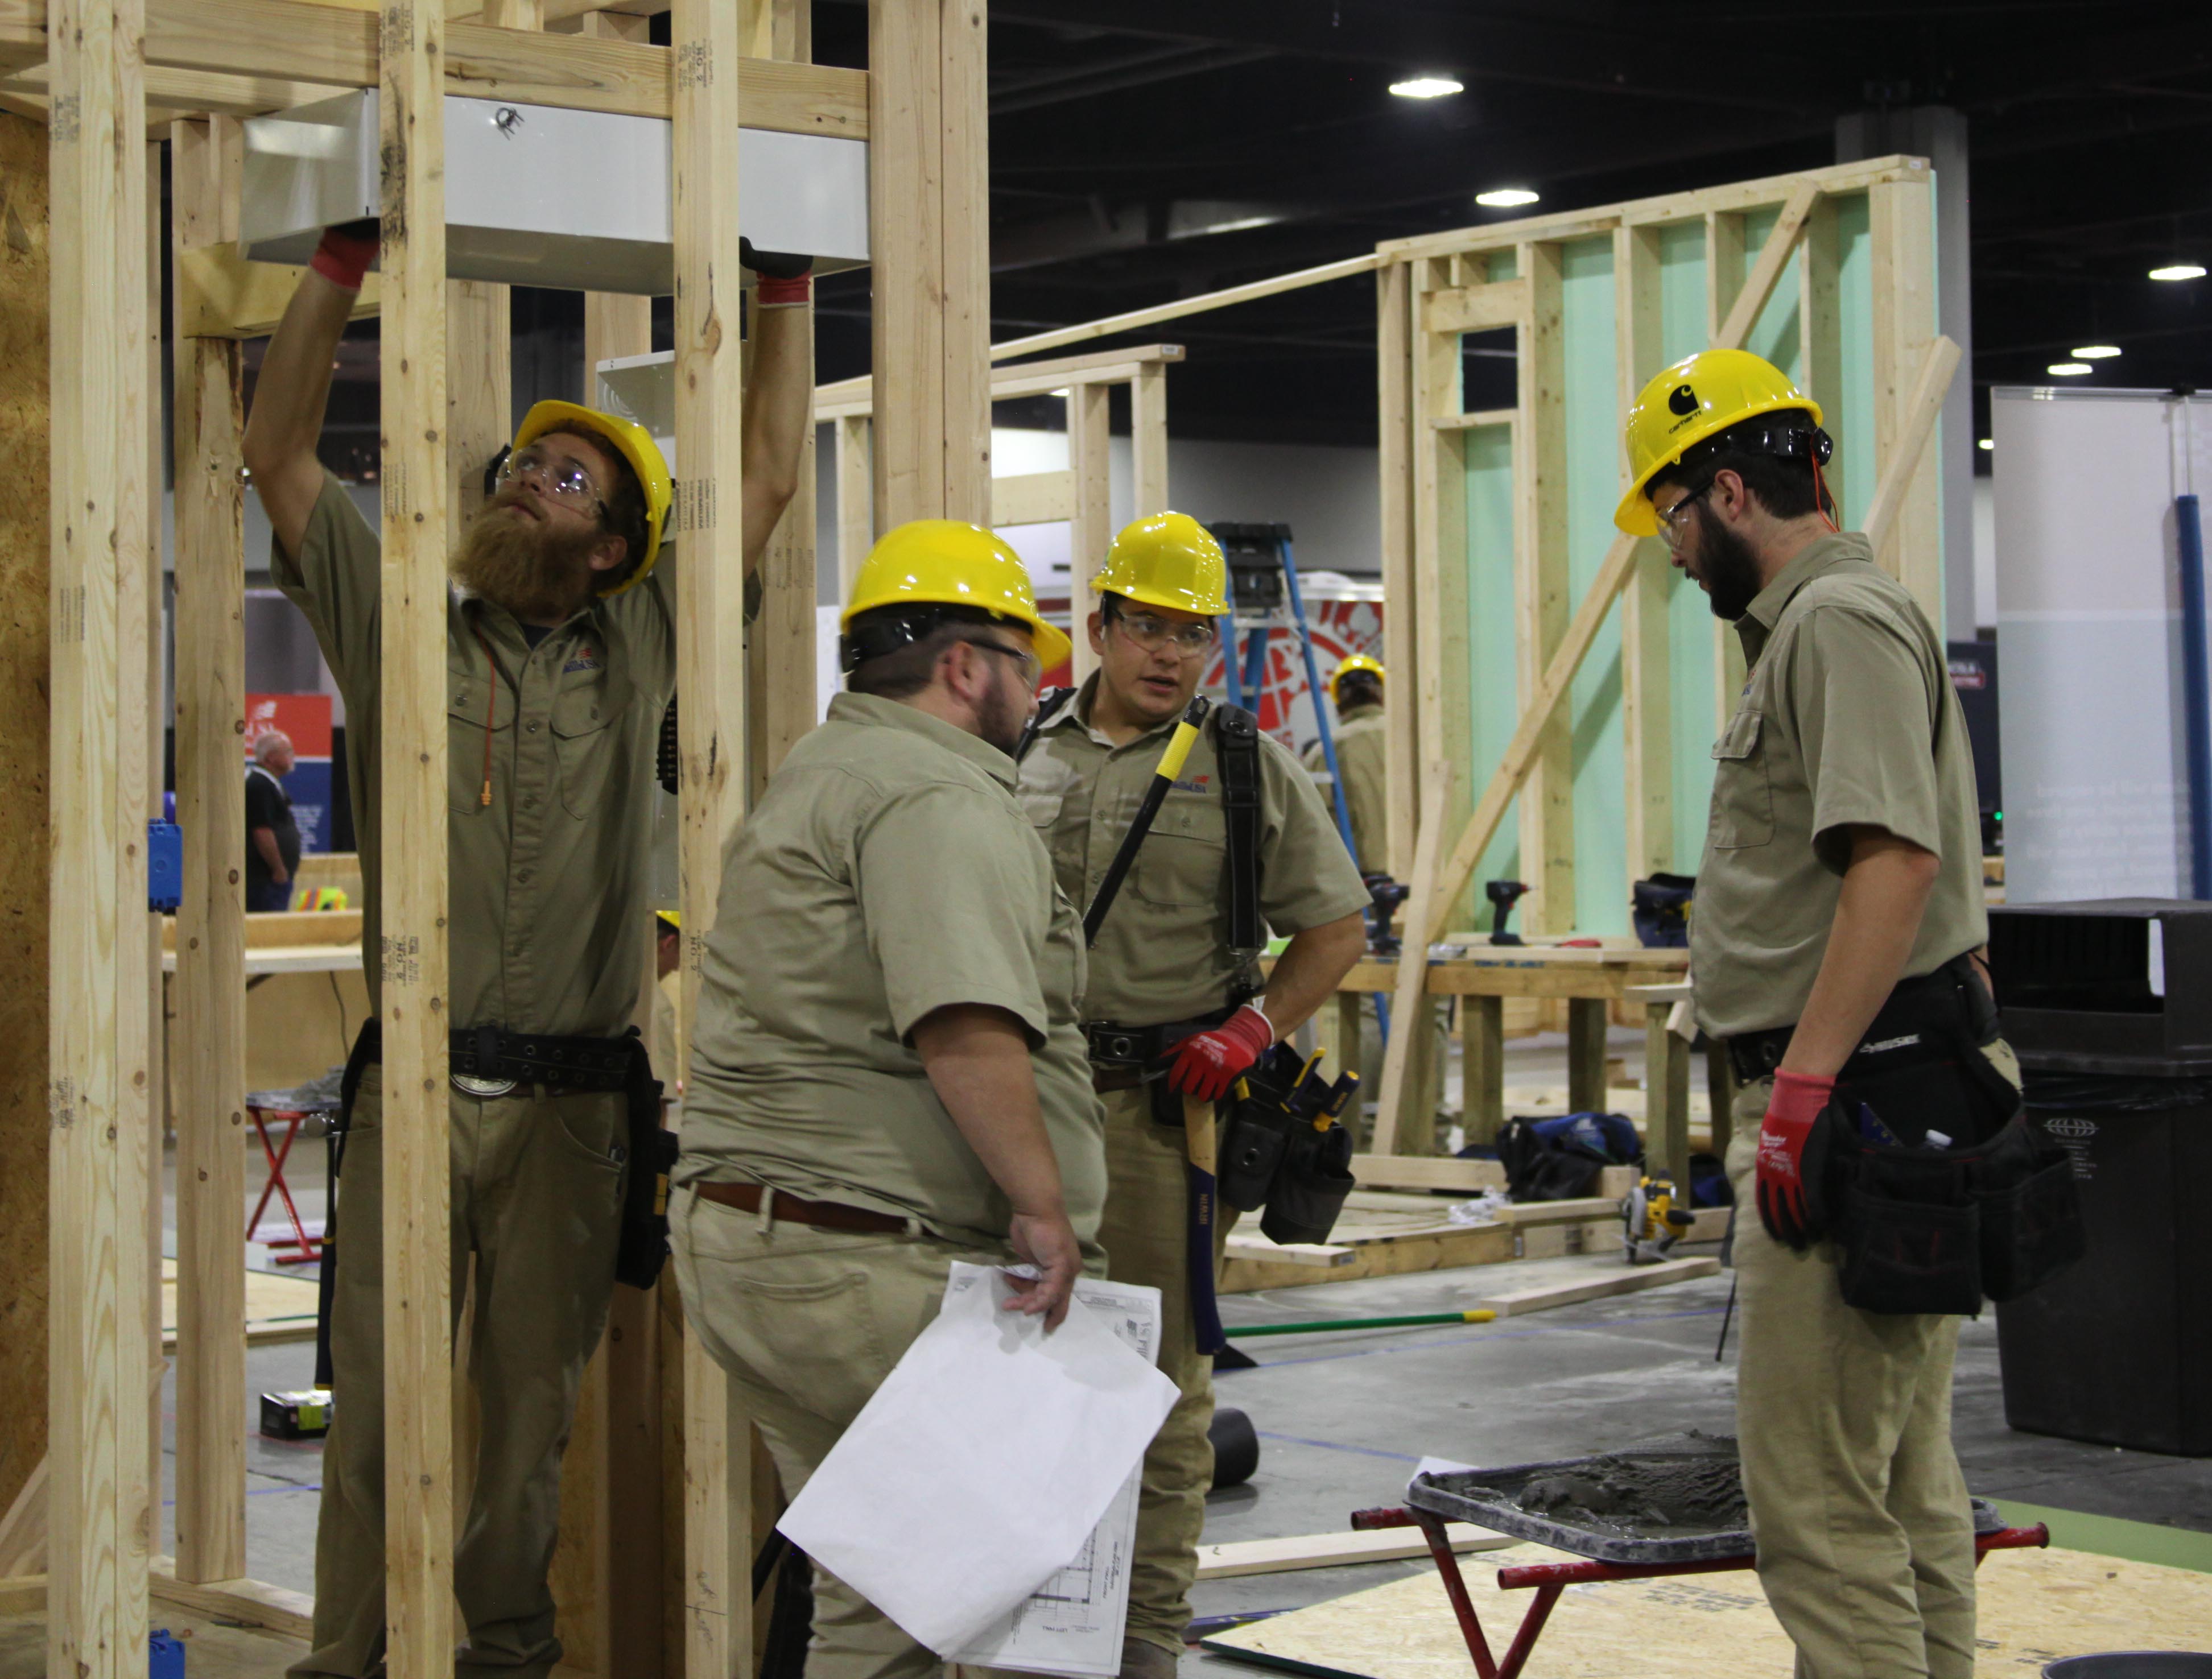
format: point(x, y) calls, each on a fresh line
point(1650, 1222)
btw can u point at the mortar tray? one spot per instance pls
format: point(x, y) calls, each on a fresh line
point(1485, 1498)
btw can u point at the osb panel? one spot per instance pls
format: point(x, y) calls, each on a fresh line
point(2035, 1607)
point(23, 696)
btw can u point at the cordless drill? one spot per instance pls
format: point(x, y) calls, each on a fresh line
point(1503, 894)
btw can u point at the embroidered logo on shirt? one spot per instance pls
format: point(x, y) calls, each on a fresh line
point(585, 658)
point(1189, 785)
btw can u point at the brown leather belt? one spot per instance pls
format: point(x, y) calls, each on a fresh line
point(1105, 1079)
point(790, 1209)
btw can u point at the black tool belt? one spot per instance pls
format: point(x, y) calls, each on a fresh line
point(1141, 1050)
point(1917, 1024)
point(487, 1061)
point(1283, 1150)
point(1937, 1189)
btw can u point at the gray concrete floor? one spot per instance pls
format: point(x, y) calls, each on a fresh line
point(1343, 1418)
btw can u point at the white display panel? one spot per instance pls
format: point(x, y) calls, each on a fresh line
point(2088, 618)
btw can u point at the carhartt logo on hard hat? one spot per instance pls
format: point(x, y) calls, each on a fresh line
point(1700, 397)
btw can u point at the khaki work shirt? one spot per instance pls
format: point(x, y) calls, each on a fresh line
point(549, 920)
point(1163, 953)
point(1362, 761)
point(886, 872)
point(1848, 718)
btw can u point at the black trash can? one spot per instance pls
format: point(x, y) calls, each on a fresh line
point(2110, 1007)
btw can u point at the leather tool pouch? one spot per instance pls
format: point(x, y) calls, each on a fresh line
point(1930, 1226)
point(642, 1246)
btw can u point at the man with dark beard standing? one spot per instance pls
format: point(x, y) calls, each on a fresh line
point(561, 655)
point(1839, 918)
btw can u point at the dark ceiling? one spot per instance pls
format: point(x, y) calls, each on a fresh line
point(1129, 137)
point(1122, 130)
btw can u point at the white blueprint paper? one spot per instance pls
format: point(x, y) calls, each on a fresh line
point(1072, 1624)
point(980, 1468)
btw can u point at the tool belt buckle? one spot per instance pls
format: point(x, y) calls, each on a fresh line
point(1117, 1049)
point(483, 1088)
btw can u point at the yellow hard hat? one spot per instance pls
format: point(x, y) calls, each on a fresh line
point(1350, 662)
point(636, 445)
point(674, 917)
point(948, 562)
point(1684, 404)
point(1167, 560)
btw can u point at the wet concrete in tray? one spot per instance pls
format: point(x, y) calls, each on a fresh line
point(1685, 1487)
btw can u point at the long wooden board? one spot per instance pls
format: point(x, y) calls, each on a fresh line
point(1236, 1558)
point(1608, 1277)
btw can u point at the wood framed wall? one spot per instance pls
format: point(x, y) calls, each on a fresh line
point(1079, 494)
point(105, 69)
point(1499, 523)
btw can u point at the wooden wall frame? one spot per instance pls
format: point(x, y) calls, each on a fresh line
point(1079, 493)
point(98, 73)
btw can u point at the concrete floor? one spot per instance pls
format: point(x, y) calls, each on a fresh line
point(1343, 1418)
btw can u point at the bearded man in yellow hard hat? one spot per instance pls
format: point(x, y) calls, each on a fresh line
point(1174, 1008)
point(1355, 691)
point(887, 1074)
point(1834, 952)
point(560, 657)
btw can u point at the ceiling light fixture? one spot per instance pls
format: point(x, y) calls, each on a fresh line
point(2067, 369)
point(1427, 86)
point(2094, 352)
point(1988, 444)
point(1505, 197)
point(2179, 271)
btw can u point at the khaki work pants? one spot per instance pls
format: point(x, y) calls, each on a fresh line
point(537, 1196)
point(1144, 1236)
point(809, 1322)
point(1865, 1533)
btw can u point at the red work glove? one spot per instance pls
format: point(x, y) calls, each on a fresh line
point(1795, 1104)
point(1206, 1063)
point(343, 257)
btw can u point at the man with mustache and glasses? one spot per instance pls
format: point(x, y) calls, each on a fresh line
point(560, 657)
point(1835, 950)
point(1174, 1008)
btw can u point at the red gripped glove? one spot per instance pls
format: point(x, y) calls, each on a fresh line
point(1206, 1063)
point(343, 257)
point(1795, 1104)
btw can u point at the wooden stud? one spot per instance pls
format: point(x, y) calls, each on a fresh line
point(1820, 325)
point(1541, 593)
point(1030, 379)
point(102, 1503)
point(780, 658)
point(1586, 1024)
point(479, 386)
point(856, 497)
point(1901, 232)
point(1092, 528)
point(1407, 999)
point(1647, 733)
point(1401, 723)
point(1666, 1096)
point(1608, 1278)
point(1897, 497)
point(1332, 1550)
point(1482, 1077)
point(1148, 440)
point(1033, 498)
point(417, 487)
point(1434, 388)
point(906, 260)
point(712, 729)
point(965, 252)
point(210, 992)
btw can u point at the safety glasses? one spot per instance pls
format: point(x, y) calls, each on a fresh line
point(1188, 640)
point(1025, 663)
point(564, 480)
point(1675, 522)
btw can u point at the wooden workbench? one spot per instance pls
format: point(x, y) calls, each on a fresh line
point(1589, 978)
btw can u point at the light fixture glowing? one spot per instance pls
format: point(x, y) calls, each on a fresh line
point(1065, 391)
point(1988, 444)
point(1506, 197)
point(2067, 369)
point(2179, 271)
point(1427, 86)
point(2094, 352)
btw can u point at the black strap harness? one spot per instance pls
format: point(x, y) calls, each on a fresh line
point(1236, 745)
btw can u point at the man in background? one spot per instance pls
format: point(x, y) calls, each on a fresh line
point(1356, 690)
point(272, 838)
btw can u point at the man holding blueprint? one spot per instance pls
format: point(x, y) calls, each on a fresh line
point(886, 1074)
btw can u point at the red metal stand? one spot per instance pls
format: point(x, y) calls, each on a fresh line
point(307, 1250)
point(1551, 1579)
